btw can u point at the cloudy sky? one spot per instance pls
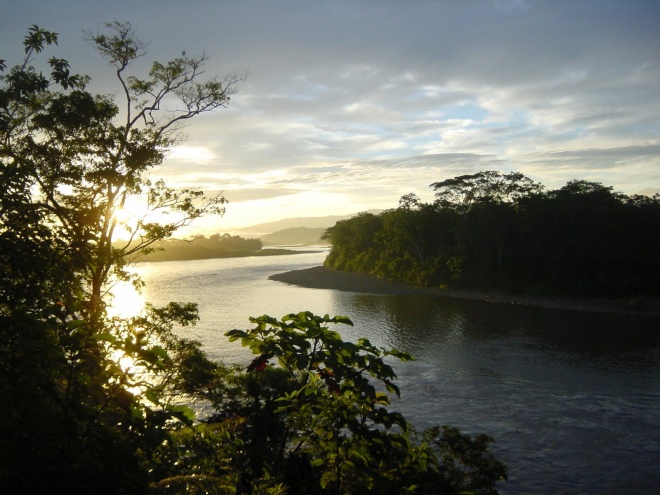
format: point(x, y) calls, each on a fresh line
point(351, 104)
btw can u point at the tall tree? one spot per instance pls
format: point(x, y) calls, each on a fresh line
point(355, 241)
point(87, 395)
point(465, 191)
point(69, 160)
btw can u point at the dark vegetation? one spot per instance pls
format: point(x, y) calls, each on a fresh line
point(504, 231)
point(200, 247)
point(91, 401)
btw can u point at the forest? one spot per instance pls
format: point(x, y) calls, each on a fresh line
point(97, 403)
point(200, 247)
point(492, 230)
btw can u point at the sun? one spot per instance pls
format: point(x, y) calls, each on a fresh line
point(135, 213)
point(129, 216)
point(125, 301)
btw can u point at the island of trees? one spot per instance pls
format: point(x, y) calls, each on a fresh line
point(95, 403)
point(491, 230)
point(200, 247)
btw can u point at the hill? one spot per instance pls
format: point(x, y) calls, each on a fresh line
point(296, 236)
point(290, 223)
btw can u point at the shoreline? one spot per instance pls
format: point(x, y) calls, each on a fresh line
point(319, 277)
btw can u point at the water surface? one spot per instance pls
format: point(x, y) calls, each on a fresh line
point(571, 398)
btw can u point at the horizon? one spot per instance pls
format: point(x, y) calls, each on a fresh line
point(351, 104)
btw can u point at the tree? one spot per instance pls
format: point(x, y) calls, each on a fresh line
point(464, 191)
point(492, 230)
point(69, 159)
point(355, 241)
point(336, 433)
point(413, 238)
point(90, 398)
point(592, 240)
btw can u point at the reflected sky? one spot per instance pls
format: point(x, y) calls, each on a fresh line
point(571, 398)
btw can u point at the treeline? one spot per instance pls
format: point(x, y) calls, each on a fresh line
point(200, 247)
point(504, 231)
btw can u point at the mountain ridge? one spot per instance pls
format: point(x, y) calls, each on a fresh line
point(294, 222)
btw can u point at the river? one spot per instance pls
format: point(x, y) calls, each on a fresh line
point(571, 398)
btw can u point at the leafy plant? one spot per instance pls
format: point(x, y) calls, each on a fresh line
point(337, 434)
point(94, 403)
point(93, 392)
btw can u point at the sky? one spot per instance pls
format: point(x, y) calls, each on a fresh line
point(350, 104)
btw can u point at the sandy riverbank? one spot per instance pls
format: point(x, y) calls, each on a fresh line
point(319, 277)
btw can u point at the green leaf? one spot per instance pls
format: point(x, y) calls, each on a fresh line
point(327, 478)
point(151, 395)
point(183, 413)
point(106, 337)
point(235, 335)
point(342, 319)
point(160, 352)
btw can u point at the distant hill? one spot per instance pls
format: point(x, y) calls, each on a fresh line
point(289, 223)
point(295, 236)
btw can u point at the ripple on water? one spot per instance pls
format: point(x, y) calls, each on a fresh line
point(571, 399)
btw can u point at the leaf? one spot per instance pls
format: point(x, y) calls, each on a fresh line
point(74, 324)
point(327, 478)
point(137, 411)
point(183, 413)
point(160, 352)
point(342, 319)
point(106, 337)
point(151, 396)
point(235, 334)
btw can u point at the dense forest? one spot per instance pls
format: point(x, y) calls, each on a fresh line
point(504, 231)
point(97, 403)
point(201, 247)
point(214, 246)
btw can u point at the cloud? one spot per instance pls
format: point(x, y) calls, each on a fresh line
point(242, 195)
point(357, 102)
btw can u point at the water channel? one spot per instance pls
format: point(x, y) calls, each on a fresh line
point(571, 398)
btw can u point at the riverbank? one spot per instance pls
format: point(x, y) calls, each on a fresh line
point(319, 277)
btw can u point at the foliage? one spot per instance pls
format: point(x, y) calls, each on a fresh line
point(354, 241)
point(93, 402)
point(326, 406)
point(465, 462)
point(200, 247)
point(92, 391)
point(466, 191)
point(504, 231)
